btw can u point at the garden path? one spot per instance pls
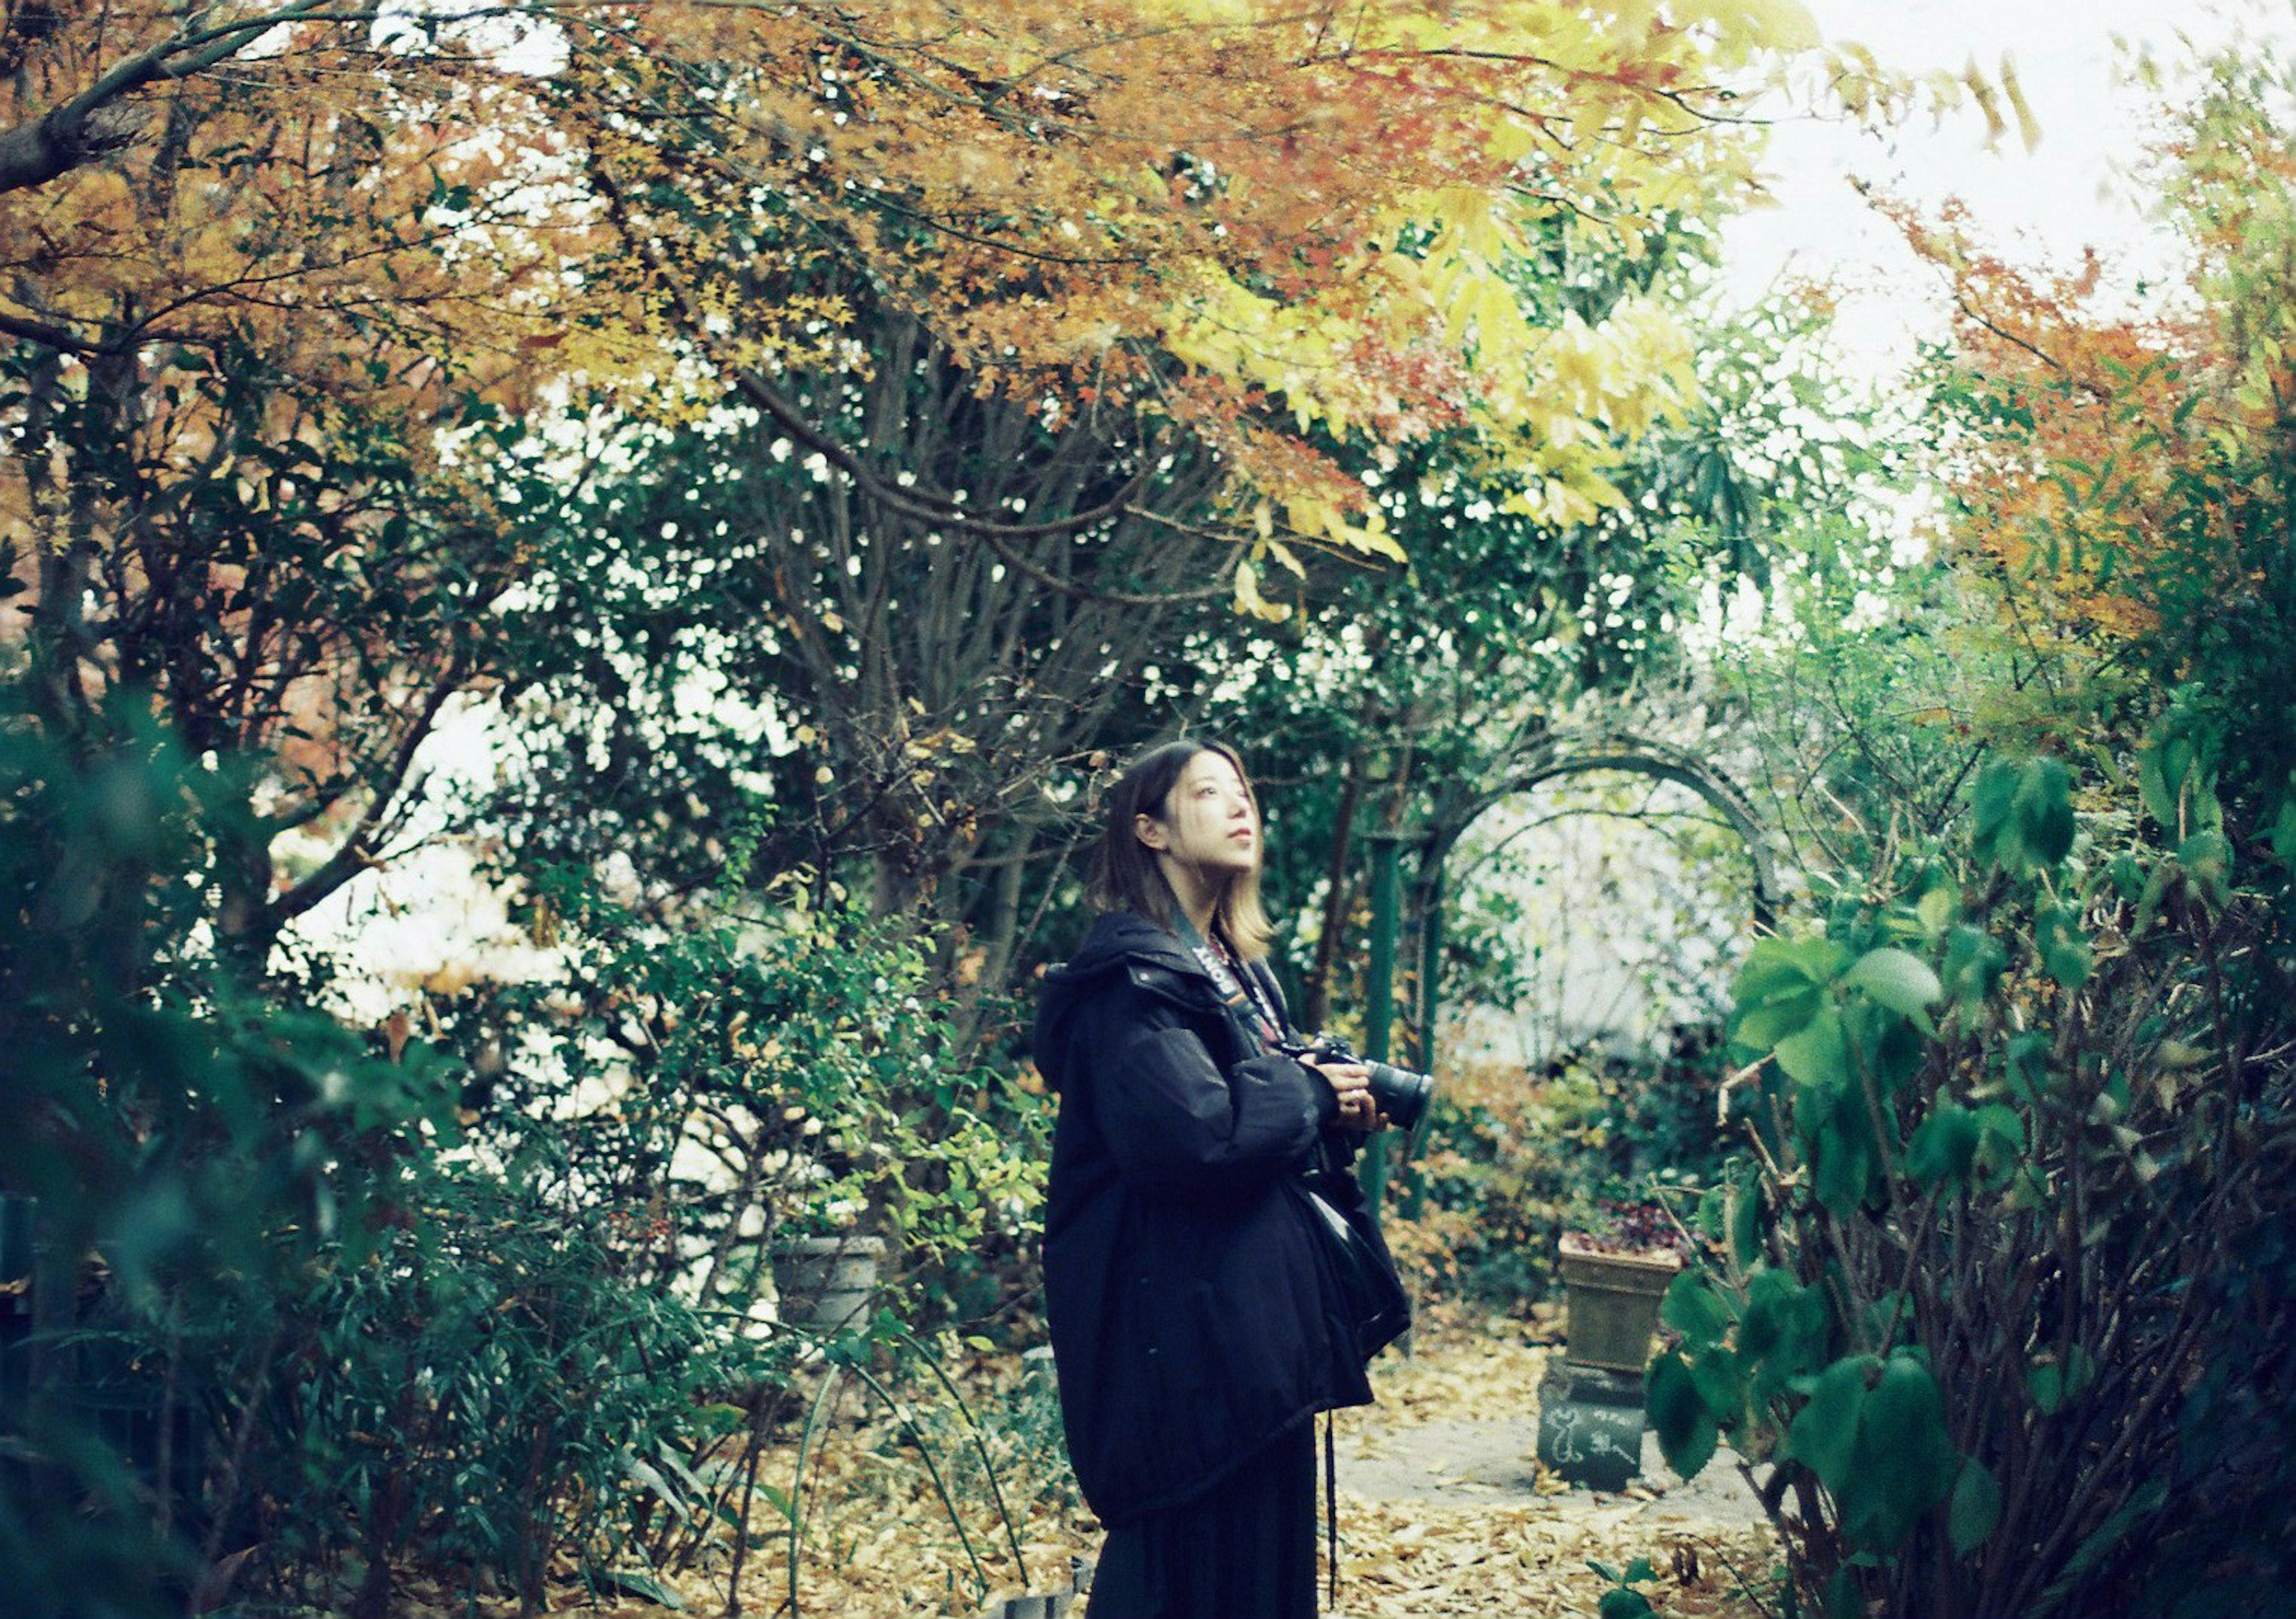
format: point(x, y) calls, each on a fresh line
point(1445, 1512)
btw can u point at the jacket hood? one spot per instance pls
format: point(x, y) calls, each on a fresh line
point(1118, 940)
point(1122, 935)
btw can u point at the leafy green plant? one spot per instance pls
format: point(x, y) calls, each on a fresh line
point(182, 1142)
point(751, 1067)
point(1622, 1601)
point(478, 1394)
point(2017, 1114)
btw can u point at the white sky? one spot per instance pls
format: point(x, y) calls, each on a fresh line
point(2072, 190)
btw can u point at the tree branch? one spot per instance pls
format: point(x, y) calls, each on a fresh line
point(93, 122)
point(355, 851)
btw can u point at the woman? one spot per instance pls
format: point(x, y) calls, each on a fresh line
point(1192, 1325)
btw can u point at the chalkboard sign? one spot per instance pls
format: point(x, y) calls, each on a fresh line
point(1590, 1427)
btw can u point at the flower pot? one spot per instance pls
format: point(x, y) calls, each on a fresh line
point(827, 1282)
point(1614, 1300)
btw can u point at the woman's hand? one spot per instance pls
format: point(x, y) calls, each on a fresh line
point(1351, 1081)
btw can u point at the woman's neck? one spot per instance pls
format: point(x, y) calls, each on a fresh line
point(1198, 900)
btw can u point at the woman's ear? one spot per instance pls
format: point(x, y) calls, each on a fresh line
point(1149, 830)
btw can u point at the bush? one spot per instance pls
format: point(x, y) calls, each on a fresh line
point(316, 1312)
point(1518, 1158)
point(479, 1396)
point(1987, 1303)
point(181, 1144)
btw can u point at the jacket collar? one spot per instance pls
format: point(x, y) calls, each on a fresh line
point(1122, 937)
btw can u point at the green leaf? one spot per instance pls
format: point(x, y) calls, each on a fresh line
point(1906, 1463)
point(1758, 1024)
point(1686, 1427)
point(1746, 1221)
point(646, 1474)
point(1824, 1432)
point(2044, 803)
point(2284, 828)
point(1938, 908)
point(1944, 1145)
point(1841, 1160)
point(1785, 1327)
point(1721, 1379)
point(1976, 1507)
point(1993, 806)
point(1897, 978)
point(635, 1582)
point(2045, 1381)
point(1974, 962)
point(2206, 858)
point(2022, 814)
point(1694, 1308)
point(2063, 950)
point(1779, 989)
point(1818, 1055)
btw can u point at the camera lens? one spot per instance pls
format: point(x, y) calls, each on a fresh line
point(1401, 1095)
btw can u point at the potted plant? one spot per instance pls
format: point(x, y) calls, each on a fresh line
point(1616, 1267)
point(826, 1281)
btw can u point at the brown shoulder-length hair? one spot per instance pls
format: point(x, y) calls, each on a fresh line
point(1128, 878)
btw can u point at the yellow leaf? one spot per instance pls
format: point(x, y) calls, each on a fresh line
point(1248, 596)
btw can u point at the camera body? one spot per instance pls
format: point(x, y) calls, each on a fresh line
point(1397, 1092)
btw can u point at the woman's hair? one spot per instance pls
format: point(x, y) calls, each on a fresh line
point(1129, 877)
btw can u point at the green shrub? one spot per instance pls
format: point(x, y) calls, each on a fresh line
point(317, 1311)
point(1987, 1301)
point(181, 1143)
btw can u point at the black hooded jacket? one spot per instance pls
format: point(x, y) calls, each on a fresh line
point(1189, 1319)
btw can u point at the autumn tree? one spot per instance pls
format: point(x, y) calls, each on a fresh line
point(1217, 234)
point(2117, 470)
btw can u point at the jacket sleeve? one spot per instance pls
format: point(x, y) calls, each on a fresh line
point(1173, 1121)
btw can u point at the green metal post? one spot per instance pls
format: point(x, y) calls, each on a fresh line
point(1430, 965)
point(1379, 993)
point(1431, 962)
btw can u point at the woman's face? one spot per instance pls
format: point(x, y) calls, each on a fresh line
point(1209, 821)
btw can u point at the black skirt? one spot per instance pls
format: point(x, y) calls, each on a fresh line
point(1243, 1550)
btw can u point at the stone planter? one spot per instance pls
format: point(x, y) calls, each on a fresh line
point(827, 1282)
point(1612, 1304)
point(1590, 1403)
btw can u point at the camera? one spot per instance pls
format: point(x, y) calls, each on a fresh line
point(1397, 1092)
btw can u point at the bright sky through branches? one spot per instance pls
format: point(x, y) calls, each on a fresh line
point(2073, 190)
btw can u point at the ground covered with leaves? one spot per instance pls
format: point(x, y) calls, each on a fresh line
point(1444, 1510)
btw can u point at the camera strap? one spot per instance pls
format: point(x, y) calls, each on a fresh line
point(1247, 1001)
